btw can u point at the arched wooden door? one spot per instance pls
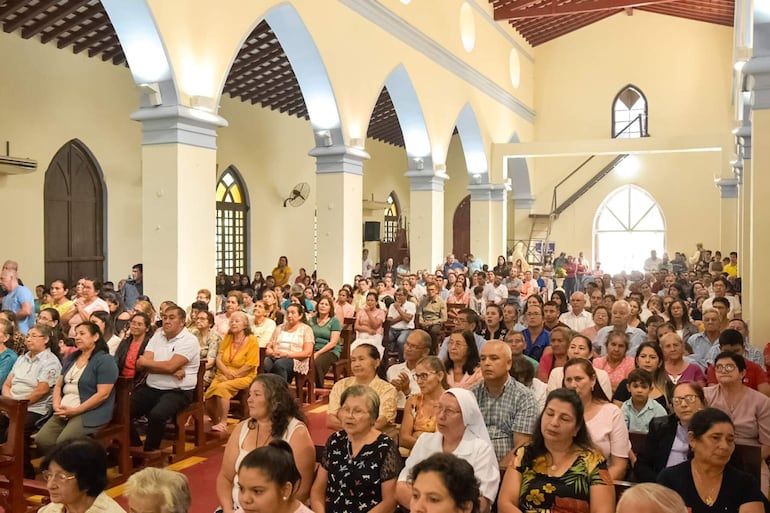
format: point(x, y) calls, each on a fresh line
point(74, 215)
point(461, 229)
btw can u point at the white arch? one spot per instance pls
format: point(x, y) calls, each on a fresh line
point(473, 145)
point(521, 185)
point(307, 65)
point(627, 225)
point(410, 116)
point(143, 46)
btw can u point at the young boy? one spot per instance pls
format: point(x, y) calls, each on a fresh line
point(640, 409)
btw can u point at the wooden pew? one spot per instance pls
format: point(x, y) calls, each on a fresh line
point(118, 432)
point(11, 456)
point(196, 412)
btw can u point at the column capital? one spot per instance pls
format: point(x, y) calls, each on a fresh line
point(758, 68)
point(523, 201)
point(426, 180)
point(728, 187)
point(488, 191)
point(177, 124)
point(339, 159)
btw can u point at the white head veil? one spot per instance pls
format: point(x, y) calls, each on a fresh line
point(472, 418)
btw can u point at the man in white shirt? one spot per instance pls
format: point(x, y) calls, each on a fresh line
point(171, 359)
point(578, 319)
point(401, 375)
point(497, 293)
point(366, 264)
point(719, 285)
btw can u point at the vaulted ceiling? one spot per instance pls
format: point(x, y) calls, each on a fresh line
point(540, 21)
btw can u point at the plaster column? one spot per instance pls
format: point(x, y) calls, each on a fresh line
point(488, 221)
point(178, 205)
point(743, 171)
point(758, 178)
point(728, 204)
point(426, 218)
point(339, 192)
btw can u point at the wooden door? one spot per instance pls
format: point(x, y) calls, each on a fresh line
point(461, 229)
point(74, 215)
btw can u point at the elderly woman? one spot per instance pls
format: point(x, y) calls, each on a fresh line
point(75, 473)
point(561, 468)
point(364, 361)
point(233, 303)
point(667, 442)
point(327, 347)
point(463, 361)
point(579, 347)
point(616, 363)
point(270, 481)
point(462, 432)
point(209, 341)
point(237, 362)
point(646, 497)
point(157, 490)
point(605, 422)
point(84, 395)
point(263, 326)
point(421, 409)
point(677, 368)
point(707, 483)
point(360, 465)
point(291, 345)
point(32, 378)
point(601, 318)
point(444, 483)
point(273, 414)
point(749, 410)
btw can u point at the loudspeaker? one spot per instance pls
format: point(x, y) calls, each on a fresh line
point(371, 231)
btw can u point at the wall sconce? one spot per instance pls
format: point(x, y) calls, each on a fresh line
point(152, 93)
point(203, 102)
point(323, 138)
point(419, 164)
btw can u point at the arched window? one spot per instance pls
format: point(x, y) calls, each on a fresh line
point(232, 223)
point(628, 224)
point(392, 213)
point(629, 113)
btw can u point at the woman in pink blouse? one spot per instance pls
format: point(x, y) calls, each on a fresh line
point(616, 363)
point(369, 321)
point(463, 361)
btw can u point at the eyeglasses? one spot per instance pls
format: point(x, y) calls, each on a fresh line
point(414, 346)
point(447, 411)
point(59, 477)
point(422, 376)
point(454, 343)
point(689, 399)
point(725, 367)
point(355, 412)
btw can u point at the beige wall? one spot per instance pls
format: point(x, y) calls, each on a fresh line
point(49, 97)
point(455, 189)
point(681, 67)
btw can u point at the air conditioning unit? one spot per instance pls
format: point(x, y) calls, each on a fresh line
point(16, 166)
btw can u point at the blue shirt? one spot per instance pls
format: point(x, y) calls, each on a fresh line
point(15, 299)
point(639, 421)
point(535, 348)
point(701, 346)
point(7, 359)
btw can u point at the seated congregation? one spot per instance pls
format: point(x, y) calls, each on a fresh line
point(505, 388)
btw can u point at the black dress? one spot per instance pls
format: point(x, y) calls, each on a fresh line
point(354, 484)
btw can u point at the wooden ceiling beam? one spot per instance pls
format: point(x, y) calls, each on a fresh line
point(49, 21)
point(694, 15)
point(11, 6)
point(261, 56)
point(29, 15)
point(568, 8)
point(548, 33)
point(277, 81)
point(66, 26)
point(104, 32)
point(119, 58)
point(82, 31)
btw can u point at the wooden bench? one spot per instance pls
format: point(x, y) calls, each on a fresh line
point(12, 456)
point(118, 432)
point(196, 412)
point(341, 368)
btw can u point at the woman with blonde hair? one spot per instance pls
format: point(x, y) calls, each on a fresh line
point(157, 490)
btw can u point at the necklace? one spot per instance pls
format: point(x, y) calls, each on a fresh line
point(557, 465)
point(74, 373)
point(710, 498)
point(265, 441)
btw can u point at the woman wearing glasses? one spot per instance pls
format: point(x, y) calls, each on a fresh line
point(420, 409)
point(748, 409)
point(667, 442)
point(76, 476)
point(462, 432)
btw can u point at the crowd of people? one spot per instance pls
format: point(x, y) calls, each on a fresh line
point(514, 387)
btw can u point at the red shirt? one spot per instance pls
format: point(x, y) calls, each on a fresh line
point(754, 376)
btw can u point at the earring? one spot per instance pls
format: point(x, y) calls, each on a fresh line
point(286, 498)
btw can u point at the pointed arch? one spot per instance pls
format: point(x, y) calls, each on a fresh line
point(232, 227)
point(410, 116)
point(473, 145)
point(392, 216)
point(75, 205)
point(629, 113)
point(308, 67)
point(627, 225)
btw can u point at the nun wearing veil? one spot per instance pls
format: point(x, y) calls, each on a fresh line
point(460, 431)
